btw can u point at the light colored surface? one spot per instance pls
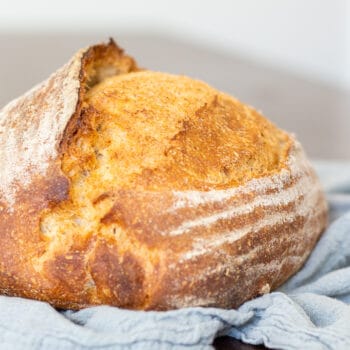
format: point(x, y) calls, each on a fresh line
point(310, 37)
point(317, 113)
point(27, 148)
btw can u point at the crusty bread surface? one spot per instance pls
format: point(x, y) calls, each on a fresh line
point(147, 190)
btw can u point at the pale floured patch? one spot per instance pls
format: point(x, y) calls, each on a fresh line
point(32, 125)
point(283, 197)
point(180, 301)
point(205, 246)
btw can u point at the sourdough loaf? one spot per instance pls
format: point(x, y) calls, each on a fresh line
point(147, 190)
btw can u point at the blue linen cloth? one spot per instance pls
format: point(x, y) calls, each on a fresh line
point(310, 311)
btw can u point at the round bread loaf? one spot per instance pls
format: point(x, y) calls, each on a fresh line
point(147, 190)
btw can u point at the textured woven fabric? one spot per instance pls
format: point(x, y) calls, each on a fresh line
point(310, 311)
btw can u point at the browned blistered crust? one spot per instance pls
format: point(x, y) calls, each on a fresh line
point(103, 224)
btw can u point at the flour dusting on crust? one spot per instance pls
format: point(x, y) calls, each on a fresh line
point(31, 128)
point(304, 193)
point(297, 164)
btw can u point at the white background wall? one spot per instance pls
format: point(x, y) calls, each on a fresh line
point(311, 37)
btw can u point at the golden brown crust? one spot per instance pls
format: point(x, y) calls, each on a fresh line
point(148, 191)
point(161, 131)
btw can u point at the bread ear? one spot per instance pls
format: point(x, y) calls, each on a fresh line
point(97, 63)
point(35, 126)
